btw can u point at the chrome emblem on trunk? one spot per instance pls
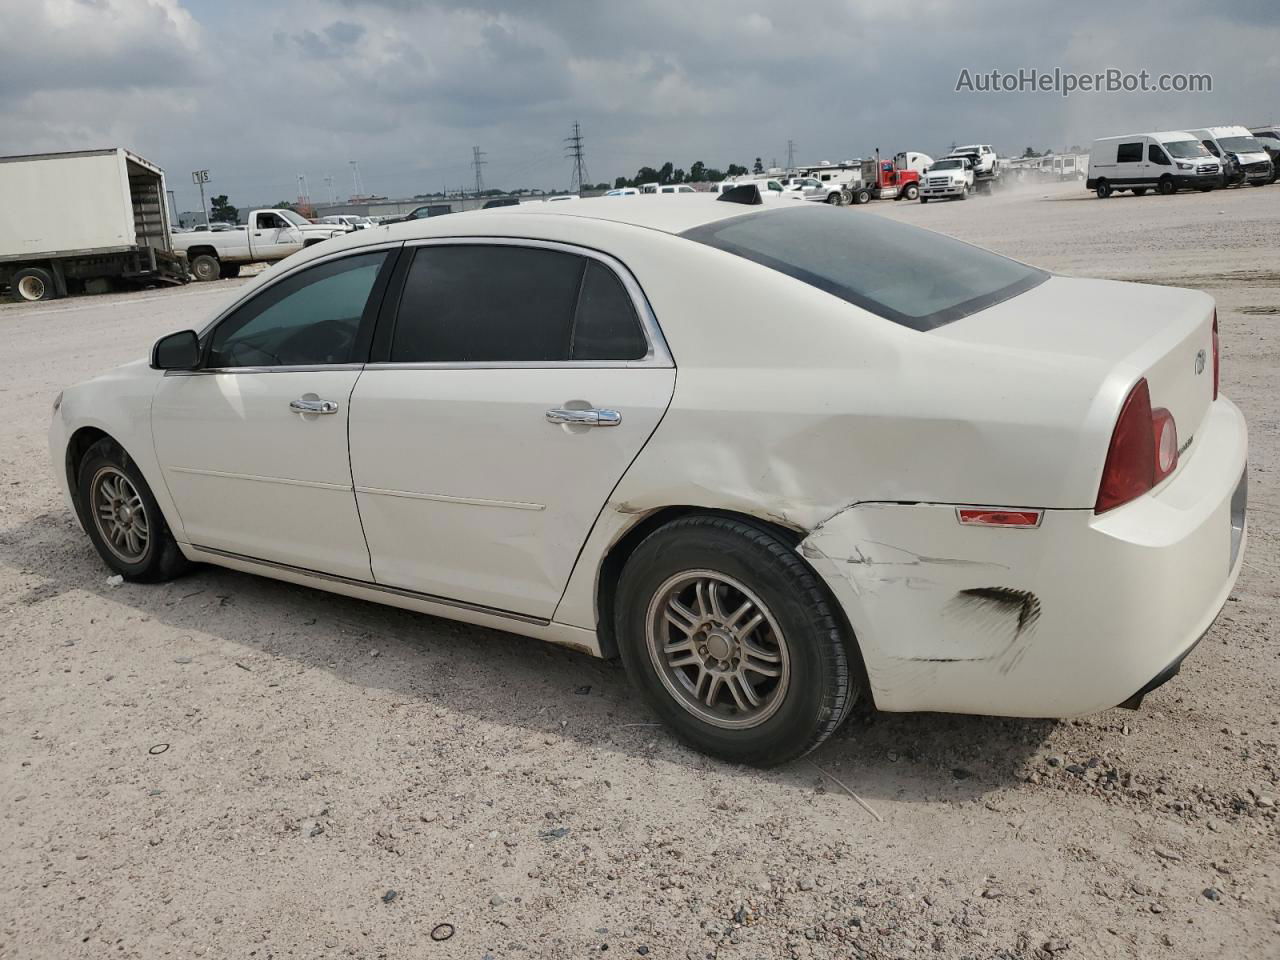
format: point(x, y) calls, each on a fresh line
point(1200, 358)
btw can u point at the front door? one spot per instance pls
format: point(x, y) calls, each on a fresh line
point(521, 381)
point(272, 237)
point(254, 444)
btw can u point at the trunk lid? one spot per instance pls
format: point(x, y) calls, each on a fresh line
point(1129, 330)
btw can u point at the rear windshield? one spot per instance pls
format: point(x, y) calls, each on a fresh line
point(911, 276)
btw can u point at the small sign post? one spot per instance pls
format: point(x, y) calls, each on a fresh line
point(201, 177)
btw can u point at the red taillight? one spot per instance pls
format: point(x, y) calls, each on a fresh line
point(1143, 451)
point(1216, 364)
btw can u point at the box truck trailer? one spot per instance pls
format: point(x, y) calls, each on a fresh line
point(67, 219)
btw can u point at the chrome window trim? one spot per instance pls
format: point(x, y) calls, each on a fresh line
point(300, 368)
point(658, 353)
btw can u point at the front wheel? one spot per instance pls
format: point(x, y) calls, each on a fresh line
point(834, 199)
point(1166, 186)
point(924, 199)
point(734, 641)
point(33, 284)
point(911, 191)
point(123, 519)
point(1103, 189)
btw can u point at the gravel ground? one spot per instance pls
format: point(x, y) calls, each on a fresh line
point(226, 766)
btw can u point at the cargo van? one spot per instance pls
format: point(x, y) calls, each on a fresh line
point(1269, 137)
point(1167, 161)
point(1244, 159)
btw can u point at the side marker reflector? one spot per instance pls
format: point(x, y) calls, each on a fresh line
point(998, 517)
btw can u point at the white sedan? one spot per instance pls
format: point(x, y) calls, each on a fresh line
point(778, 458)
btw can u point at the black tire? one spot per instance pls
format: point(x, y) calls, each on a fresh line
point(33, 284)
point(924, 199)
point(1166, 186)
point(911, 191)
point(1139, 191)
point(823, 671)
point(835, 199)
point(159, 558)
point(1103, 189)
point(206, 267)
point(229, 271)
point(964, 193)
point(861, 196)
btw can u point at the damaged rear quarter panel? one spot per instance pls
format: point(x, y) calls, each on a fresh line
point(940, 609)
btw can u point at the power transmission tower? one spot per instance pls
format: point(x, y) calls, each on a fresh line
point(573, 150)
point(478, 160)
point(791, 154)
point(329, 183)
point(355, 176)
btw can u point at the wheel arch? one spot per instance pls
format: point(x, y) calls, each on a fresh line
point(203, 250)
point(77, 446)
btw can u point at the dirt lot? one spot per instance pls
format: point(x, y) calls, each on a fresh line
point(341, 778)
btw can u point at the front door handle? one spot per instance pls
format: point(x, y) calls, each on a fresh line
point(304, 405)
point(591, 417)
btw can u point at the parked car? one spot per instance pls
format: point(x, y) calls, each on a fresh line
point(349, 220)
point(270, 236)
point(676, 188)
point(500, 202)
point(1166, 161)
point(811, 188)
point(1243, 157)
point(949, 177)
point(1269, 137)
point(623, 192)
point(421, 213)
point(481, 419)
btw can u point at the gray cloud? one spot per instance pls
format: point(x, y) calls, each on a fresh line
point(262, 92)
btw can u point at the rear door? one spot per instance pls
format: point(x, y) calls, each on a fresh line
point(509, 392)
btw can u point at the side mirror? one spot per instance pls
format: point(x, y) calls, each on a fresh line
point(177, 351)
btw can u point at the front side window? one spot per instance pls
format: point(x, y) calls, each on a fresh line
point(913, 277)
point(1129, 153)
point(270, 221)
point(1211, 147)
point(309, 318)
point(1156, 155)
point(477, 303)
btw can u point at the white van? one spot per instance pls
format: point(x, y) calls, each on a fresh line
point(1165, 161)
point(1243, 157)
point(1269, 137)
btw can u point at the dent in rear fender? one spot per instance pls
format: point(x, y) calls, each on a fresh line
point(921, 592)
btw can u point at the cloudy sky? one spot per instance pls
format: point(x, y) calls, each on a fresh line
point(260, 91)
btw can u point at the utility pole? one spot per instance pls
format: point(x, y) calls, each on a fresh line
point(573, 151)
point(328, 182)
point(791, 155)
point(478, 160)
point(355, 176)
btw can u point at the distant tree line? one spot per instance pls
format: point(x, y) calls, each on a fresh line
point(669, 173)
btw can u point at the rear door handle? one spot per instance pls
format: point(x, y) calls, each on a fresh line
point(591, 417)
point(303, 405)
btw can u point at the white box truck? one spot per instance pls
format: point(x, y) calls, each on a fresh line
point(70, 218)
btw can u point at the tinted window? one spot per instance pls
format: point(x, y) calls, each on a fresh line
point(606, 327)
point(1210, 146)
point(914, 277)
point(1156, 155)
point(1129, 153)
point(475, 303)
point(309, 318)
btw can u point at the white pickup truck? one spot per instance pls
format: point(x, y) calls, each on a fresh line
point(270, 235)
point(948, 177)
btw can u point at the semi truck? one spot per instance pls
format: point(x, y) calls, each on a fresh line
point(71, 221)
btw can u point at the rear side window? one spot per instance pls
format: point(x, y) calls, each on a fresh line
point(1129, 153)
point(911, 276)
point(476, 303)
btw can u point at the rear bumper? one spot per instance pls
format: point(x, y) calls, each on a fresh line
point(1073, 617)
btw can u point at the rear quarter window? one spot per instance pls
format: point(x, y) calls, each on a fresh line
point(913, 277)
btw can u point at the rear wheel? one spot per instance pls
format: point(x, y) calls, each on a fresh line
point(1103, 189)
point(33, 284)
point(861, 196)
point(123, 519)
point(206, 267)
point(734, 641)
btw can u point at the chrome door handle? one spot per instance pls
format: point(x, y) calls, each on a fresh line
point(591, 417)
point(313, 406)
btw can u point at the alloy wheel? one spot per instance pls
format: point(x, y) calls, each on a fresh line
point(717, 649)
point(120, 515)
